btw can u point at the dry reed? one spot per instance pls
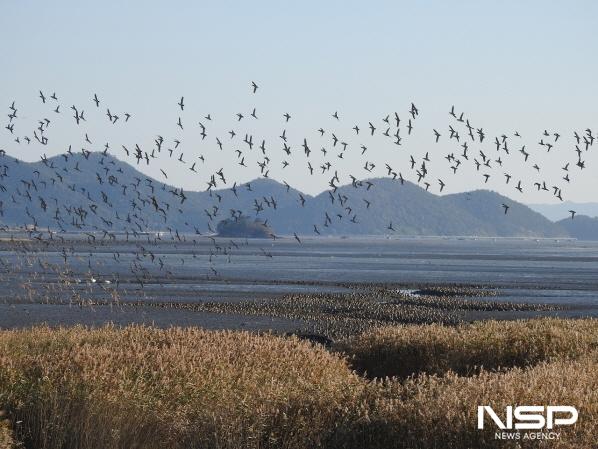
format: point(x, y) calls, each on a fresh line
point(143, 387)
point(466, 349)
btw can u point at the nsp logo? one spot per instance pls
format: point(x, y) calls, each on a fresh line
point(530, 416)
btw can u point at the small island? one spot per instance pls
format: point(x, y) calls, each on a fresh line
point(244, 226)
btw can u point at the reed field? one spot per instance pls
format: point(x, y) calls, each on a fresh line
point(6, 439)
point(404, 350)
point(146, 387)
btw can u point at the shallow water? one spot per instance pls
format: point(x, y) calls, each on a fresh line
point(559, 272)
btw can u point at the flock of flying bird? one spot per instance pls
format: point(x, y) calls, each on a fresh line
point(463, 137)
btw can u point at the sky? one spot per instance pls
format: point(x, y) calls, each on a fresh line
point(524, 66)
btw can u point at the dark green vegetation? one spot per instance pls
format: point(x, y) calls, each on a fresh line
point(144, 387)
point(411, 209)
point(243, 227)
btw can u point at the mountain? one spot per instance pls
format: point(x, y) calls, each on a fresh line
point(486, 207)
point(98, 192)
point(556, 212)
point(581, 227)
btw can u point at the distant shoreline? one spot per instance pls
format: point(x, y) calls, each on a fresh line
point(5, 235)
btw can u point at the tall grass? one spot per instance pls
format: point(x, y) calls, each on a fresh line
point(152, 388)
point(6, 440)
point(466, 349)
point(440, 412)
point(143, 387)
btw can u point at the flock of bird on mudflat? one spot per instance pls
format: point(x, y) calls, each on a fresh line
point(333, 145)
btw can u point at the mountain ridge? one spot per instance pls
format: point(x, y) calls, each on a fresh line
point(557, 212)
point(101, 192)
point(582, 227)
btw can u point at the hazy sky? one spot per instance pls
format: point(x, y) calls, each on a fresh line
point(509, 65)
